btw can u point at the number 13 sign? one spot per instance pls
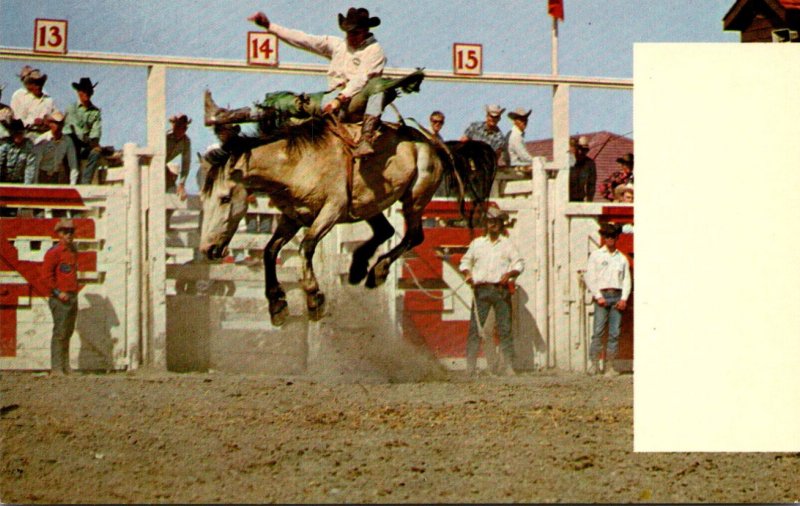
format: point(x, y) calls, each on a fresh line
point(262, 48)
point(467, 59)
point(50, 36)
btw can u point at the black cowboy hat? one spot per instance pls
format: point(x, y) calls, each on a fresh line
point(15, 126)
point(610, 230)
point(85, 84)
point(627, 159)
point(357, 18)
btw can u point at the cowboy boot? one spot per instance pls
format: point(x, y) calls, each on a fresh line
point(368, 128)
point(218, 116)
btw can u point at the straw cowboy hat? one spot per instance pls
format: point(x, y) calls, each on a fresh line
point(621, 189)
point(520, 113)
point(357, 18)
point(494, 213)
point(627, 159)
point(55, 116)
point(85, 84)
point(31, 75)
point(65, 223)
point(180, 119)
point(494, 110)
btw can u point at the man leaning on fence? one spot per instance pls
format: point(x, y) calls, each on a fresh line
point(84, 125)
point(490, 266)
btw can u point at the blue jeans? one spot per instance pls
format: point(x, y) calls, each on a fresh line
point(485, 298)
point(602, 315)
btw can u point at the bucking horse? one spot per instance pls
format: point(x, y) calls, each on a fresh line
point(310, 175)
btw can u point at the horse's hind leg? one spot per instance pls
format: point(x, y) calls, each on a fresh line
point(315, 299)
point(382, 231)
point(413, 237)
point(278, 308)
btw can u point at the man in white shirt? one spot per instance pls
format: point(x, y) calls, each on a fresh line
point(55, 153)
point(519, 157)
point(608, 278)
point(30, 103)
point(354, 60)
point(490, 266)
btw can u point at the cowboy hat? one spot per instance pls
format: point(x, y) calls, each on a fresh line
point(621, 189)
point(357, 18)
point(180, 119)
point(65, 223)
point(494, 110)
point(29, 75)
point(56, 116)
point(627, 159)
point(520, 113)
point(15, 126)
point(494, 213)
point(85, 84)
point(610, 230)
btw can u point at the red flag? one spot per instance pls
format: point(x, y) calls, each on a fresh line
point(556, 9)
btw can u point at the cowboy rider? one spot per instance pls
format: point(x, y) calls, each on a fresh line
point(354, 61)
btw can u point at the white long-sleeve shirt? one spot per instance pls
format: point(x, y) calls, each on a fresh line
point(608, 270)
point(349, 68)
point(27, 107)
point(489, 261)
point(517, 152)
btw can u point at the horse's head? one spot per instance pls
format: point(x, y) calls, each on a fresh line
point(224, 204)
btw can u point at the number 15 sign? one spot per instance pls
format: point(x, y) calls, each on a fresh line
point(467, 59)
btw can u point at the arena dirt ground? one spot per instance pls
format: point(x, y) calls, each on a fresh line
point(381, 429)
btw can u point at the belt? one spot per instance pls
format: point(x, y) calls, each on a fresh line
point(615, 290)
point(492, 285)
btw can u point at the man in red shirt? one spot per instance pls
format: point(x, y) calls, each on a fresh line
point(60, 276)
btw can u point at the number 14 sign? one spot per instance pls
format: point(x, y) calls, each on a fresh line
point(262, 48)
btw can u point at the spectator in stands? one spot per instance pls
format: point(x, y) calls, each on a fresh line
point(583, 174)
point(84, 126)
point(178, 143)
point(437, 122)
point(30, 103)
point(6, 115)
point(55, 153)
point(60, 277)
point(608, 279)
point(624, 193)
point(490, 266)
point(488, 131)
point(518, 156)
point(620, 177)
point(17, 157)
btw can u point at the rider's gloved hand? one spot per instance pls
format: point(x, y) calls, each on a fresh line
point(332, 106)
point(260, 19)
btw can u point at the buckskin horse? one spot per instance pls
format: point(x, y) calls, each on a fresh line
point(311, 177)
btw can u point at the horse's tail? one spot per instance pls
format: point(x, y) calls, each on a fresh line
point(475, 163)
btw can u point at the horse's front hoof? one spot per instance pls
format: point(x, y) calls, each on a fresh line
point(356, 276)
point(316, 305)
point(278, 312)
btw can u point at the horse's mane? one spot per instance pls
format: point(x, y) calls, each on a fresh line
point(309, 132)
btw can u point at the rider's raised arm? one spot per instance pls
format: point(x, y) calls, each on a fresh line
point(323, 45)
point(372, 63)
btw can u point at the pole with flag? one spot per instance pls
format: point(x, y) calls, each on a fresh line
point(556, 9)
